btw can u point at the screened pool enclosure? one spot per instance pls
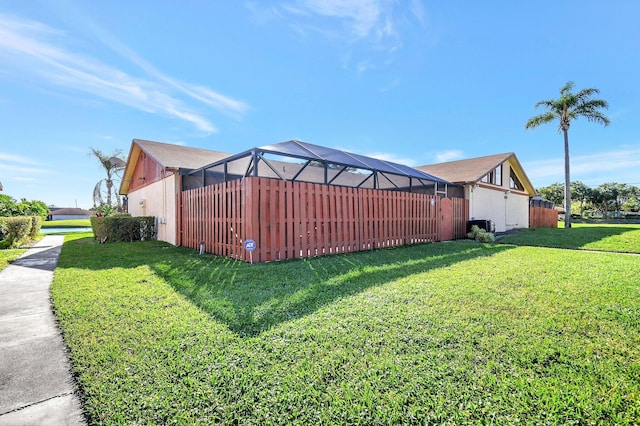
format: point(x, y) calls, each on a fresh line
point(297, 161)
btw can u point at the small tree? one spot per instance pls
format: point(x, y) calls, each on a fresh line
point(582, 193)
point(553, 193)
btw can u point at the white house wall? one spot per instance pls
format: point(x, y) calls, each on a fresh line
point(158, 199)
point(508, 210)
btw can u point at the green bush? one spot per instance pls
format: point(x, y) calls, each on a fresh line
point(481, 235)
point(3, 228)
point(18, 230)
point(123, 228)
point(36, 224)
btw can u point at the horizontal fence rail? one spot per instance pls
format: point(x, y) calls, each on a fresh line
point(295, 219)
point(542, 217)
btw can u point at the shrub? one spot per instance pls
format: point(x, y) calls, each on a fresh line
point(36, 224)
point(18, 230)
point(481, 235)
point(3, 228)
point(123, 228)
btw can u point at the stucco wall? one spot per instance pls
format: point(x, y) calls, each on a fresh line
point(508, 210)
point(158, 199)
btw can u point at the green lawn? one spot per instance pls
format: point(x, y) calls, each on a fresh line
point(454, 333)
point(71, 223)
point(615, 238)
point(9, 255)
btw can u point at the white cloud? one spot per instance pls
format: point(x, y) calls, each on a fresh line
point(35, 49)
point(620, 165)
point(386, 156)
point(417, 9)
point(17, 159)
point(13, 169)
point(369, 31)
point(361, 18)
point(451, 155)
point(25, 179)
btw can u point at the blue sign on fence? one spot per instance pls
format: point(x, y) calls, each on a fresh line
point(249, 245)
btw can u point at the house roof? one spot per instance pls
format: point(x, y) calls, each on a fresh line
point(472, 170)
point(68, 211)
point(177, 156)
point(169, 156)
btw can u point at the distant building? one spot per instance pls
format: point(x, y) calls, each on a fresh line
point(64, 213)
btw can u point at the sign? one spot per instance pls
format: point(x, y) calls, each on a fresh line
point(249, 245)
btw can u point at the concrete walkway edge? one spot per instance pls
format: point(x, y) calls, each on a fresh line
point(36, 385)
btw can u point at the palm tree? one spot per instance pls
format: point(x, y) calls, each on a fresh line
point(566, 108)
point(112, 165)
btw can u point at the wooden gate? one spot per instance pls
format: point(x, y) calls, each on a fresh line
point(445, 220)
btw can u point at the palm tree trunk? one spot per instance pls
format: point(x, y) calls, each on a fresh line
point(567, 182)
point(109, 186)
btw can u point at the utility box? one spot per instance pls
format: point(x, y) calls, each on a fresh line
point(485, 224)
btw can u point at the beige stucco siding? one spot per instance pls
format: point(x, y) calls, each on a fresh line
point(158, 199)
point(507, 210)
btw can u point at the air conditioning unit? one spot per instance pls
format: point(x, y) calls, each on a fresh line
point(485, 224)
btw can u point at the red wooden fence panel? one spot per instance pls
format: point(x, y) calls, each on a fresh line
point(542, 217)
point(297, 219)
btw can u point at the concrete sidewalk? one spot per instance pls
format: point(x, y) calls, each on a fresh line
point(36, 387)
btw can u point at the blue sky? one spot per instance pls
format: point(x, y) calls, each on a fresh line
point(411, 81)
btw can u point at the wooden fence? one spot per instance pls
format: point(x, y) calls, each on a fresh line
point(543, 217)
point(295, 219)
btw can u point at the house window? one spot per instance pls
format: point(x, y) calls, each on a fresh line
point(514, 182)
point(494, 177)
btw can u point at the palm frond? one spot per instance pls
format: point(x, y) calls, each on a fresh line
point(567, 88)
point(536, 121)
point(571, 106)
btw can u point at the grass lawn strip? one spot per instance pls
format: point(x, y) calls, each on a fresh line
point(612, 238)
point(453, 333)
point(9, 255)
point(67, 223)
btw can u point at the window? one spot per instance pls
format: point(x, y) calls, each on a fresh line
point(494, 177)
point(514, 182)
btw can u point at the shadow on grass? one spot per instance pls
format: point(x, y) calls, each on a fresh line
point(250, 299)
point(617, 238)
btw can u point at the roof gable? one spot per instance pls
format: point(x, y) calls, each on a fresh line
point(472, 170)
point(168, 157)
point(178, 156)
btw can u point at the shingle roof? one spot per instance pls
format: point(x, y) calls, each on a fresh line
point(473, 170)
point(69, 211)
point(470, 170)
point(177, 156)
point(168, 156)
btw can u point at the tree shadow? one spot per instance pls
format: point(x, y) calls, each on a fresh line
point(250, 299)
point(42, 258)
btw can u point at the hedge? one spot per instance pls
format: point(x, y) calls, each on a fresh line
point(36, 225)
point(16, 230)
point(121, 228)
